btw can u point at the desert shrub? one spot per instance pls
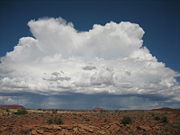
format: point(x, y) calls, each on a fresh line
point(157, 118)
point(116, 111)
point(50, 121)
point(25, 132)
point(178, 117)
point(152, 114)
point(54, 111)
point(74, 114)
point(7, 110)
point(126, 120)
point(55, 120)
point(86, 119)
point(21, 112)
point(138, 127)
point(103, 111)
point(105, 120)
point(176, 125)
point(164, 119)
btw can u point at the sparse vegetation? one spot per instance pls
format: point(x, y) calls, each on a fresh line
point(55, 120)
point(126, 120)
point(156, 118)
point(162, 119)
point(54, 111)
point(7, 110)
point(86, 119)
point(90, 122)
point(26, 132)
point(138, 127)
point(176, 125)
point(105, 120)
point(21, 112)
point(152, 114)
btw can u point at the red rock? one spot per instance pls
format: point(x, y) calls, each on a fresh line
point(98, 109)
point(144, 127)
point(12, 107)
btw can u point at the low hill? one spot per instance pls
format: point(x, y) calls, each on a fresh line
point(12, 107)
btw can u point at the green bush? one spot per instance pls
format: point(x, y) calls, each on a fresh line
point(86, 119)
point(126, 120)
point(157, 118)
point(54, 111)
point(21, 112)
point(176, 125)
point(152, 114)
point(55, 120)
point(7, 110)
point(105, 120)
point(26, 132)
point(164, 119)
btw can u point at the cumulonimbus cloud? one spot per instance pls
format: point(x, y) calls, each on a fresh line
point(108, 58)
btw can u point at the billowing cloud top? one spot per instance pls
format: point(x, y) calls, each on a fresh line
point(105, 59)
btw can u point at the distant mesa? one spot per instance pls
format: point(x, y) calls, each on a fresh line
point(98, 109)
point(166, 109)
point(12, 107)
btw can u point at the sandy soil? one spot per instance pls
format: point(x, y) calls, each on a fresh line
point(39, 122)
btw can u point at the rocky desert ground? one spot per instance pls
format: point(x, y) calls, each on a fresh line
point(89, 122)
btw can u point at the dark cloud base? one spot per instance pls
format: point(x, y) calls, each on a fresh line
point(87, 101)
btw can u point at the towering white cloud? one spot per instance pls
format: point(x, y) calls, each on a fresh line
point(109, 59)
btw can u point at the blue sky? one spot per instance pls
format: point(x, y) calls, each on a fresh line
point(159, 19)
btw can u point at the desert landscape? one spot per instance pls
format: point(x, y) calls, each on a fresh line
point(89, 67)
point(164, 121)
